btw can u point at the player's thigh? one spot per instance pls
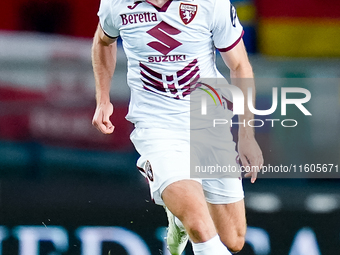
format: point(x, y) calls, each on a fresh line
point(184, 196)
point(164, 157)
point(225, 201)
point(185, 199)
point(230, 223)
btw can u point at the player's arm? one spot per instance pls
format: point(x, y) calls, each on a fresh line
point(104, 55)
point(241, 74)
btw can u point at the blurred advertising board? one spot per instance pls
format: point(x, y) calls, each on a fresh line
point(74, 217)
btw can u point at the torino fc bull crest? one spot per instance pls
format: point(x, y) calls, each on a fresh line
point(187, 12)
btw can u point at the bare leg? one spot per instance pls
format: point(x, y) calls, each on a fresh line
point(185, 199)
point(230, 223)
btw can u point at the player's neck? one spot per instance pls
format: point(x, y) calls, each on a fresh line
point(158, 3)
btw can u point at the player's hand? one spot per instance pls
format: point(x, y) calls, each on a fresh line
point(251, 156)
point(101, 118)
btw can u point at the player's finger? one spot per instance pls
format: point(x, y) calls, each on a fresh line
point(109, 129)
point(246, 165)
point(253, 177)
point(244, 160)
point(106, 127)
point(106, 121)
point(247, 174)
point(256, 161)
point(256, 164)
point(253, 168)
point(102, 127)
point(253, 174)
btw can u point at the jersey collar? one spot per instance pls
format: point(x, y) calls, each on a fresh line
point(172, 0)
point(164, 7)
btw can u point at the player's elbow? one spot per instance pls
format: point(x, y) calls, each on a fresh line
point(242, 70)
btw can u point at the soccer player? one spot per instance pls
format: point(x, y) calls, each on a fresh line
point(170, 45)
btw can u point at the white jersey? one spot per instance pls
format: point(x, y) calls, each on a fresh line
point(168, 50)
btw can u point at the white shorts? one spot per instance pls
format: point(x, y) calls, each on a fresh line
point(165, 159)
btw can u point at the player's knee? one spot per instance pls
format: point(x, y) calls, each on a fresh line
point(198, 231)
point(236, 244)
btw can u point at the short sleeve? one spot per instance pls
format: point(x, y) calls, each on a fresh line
point(106, 19)
point(227, 30)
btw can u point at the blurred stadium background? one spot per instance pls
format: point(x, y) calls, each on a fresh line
point(66, 189)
